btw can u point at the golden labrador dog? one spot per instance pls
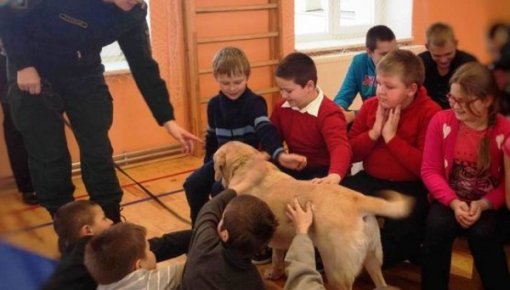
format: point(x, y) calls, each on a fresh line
point(345, 230)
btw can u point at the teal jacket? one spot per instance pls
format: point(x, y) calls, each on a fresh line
point(359, 79)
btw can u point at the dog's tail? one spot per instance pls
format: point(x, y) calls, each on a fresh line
point(392, 204)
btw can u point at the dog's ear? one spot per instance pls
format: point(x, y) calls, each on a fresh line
point(219, 164)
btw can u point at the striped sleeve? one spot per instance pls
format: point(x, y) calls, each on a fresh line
point(166, 278)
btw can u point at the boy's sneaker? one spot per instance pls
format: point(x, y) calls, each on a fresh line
point(263, 257)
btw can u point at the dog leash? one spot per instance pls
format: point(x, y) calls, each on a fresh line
point(45, 91)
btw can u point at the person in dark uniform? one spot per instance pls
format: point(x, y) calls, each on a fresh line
point(18, 157)
point(54, 64)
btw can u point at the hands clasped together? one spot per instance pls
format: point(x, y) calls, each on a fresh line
point(386, 123)
point(467, 214)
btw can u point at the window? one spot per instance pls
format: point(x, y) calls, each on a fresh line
point(334, 24)
point(112, 56)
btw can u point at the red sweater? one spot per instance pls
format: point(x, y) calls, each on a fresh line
point(400, 159)
point(322, 139)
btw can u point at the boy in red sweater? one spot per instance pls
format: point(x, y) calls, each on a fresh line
point(388, 136)
point(311, 124)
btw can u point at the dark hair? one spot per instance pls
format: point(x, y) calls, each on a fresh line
point(503, 63)
point(496, 28)
point(250, 224)
point(298, 67)
point(378, 33)
point(476, 80)
point(404, 63)
point(112, 255)
point(70, 218)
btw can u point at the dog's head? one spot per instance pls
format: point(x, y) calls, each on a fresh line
point(232, 160)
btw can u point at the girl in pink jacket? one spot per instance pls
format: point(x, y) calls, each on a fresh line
point(463, 170)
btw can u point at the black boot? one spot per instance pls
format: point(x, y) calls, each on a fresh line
point(51, 212)
point(29, 198)
point(112, 211)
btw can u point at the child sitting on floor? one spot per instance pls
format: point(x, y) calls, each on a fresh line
point(75, 224)
point(229, 230)
point(120, 258)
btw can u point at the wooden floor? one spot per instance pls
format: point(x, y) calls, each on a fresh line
point(30, 227)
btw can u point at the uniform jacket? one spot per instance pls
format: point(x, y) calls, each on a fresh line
point(62, 38)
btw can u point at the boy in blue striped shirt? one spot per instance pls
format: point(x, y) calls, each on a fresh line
point(236, 113)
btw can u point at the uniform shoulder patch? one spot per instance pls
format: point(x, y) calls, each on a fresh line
point(74, 21)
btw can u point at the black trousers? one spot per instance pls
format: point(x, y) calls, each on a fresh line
point(484, 242)
point(307, 173)
point(88, 105)
point(199, 186)
point(18, 157)
point(504, 224)
point(170, 245)
point(401, 239)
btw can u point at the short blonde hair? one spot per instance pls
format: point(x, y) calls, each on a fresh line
point(404, 64)
point(439, 34)
point(230, 61)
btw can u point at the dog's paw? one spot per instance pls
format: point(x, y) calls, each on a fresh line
point(273, 274)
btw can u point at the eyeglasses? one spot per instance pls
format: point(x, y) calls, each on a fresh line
point(453, 100)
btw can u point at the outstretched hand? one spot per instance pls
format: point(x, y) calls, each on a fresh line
point(302, 219)
point(184, 137)
point(292, 161)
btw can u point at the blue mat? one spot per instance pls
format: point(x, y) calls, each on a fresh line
point(23, 270)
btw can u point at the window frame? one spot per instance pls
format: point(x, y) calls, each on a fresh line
point(341, 37)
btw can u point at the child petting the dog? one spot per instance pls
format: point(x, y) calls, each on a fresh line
point(120, 258)
point(300, 258)
point(310, 124)
point(388, 136)
point(229, 230)
point(236, 113)
point(464, 172)
point(75, 224)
